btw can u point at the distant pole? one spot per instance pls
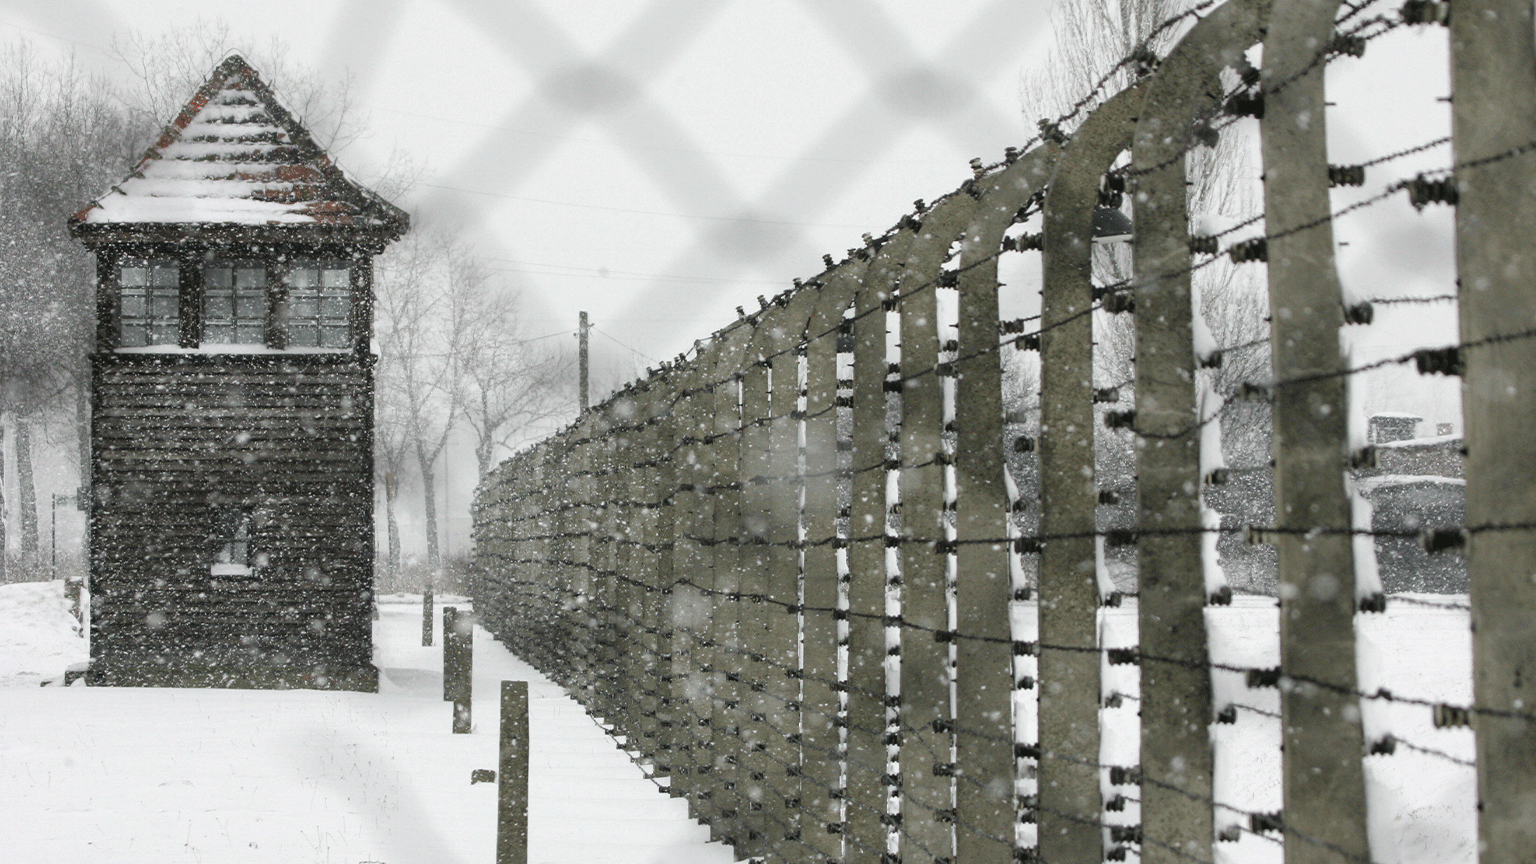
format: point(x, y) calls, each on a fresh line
point(512, 781)
point(426, 615)
point(582, 355)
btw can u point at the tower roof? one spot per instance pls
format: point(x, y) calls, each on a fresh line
point(237, 160)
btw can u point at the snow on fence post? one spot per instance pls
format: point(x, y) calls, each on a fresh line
point(1069, 597)
point(1322, 735)
point(1493, 76)
point(512, 776)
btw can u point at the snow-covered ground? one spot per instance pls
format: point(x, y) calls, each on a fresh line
point(153, 776)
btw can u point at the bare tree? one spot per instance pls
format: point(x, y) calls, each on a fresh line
point(167, 68)
point(507, 381)
point(63, 139)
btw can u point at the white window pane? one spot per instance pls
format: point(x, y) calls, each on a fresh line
point(303, 334)
point(164, 333)
point(133, 304)
point(217, 276)
point(133, 335)
point(218, 334)
point(302, 277)
point(251, 277)
point(335, 278)
point(251, 333)
point(133, 277)
point(165, 275)
point(334, 336)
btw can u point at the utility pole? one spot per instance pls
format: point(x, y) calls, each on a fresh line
point(582, 361)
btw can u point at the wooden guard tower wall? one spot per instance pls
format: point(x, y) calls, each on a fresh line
point(232, 405)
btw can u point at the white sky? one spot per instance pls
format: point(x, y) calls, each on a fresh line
point(658, 164)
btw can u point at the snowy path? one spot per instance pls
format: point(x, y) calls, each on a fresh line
point(157, 776)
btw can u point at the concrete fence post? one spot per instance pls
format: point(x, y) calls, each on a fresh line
point(1322, 740)
point(458, 665)
point(1493, 77)
point(512, 776)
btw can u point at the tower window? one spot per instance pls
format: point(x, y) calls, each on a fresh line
point(234, 303)
point(231, 541)
point(149, 302)
point(320, 305)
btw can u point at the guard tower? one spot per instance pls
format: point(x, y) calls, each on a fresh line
point(232, 404)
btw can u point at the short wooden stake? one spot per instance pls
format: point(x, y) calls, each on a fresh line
point(512, 779)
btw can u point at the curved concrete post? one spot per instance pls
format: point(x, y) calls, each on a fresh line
point(759, 807)
point(1071, 806)
point(984, 795)
point(1322, 743)
point(1175, 691)
point(1493, 75)
point(821, 786)
point(782, 512)
point(867, 784)
point(926, 794)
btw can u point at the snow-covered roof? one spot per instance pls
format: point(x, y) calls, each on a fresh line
point(235, 157)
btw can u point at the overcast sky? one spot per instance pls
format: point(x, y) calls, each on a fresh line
point(658, 164)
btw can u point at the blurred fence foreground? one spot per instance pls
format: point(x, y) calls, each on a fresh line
point(785, 565)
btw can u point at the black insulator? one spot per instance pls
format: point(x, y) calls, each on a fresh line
point(1022, 594)
point(1050, 130)
point(1346, 175)
point(1112, 600)
point(1116, 302)
point(1026, 546)
point(1450, 716)
point(1366, 457)
point(1120, 775)
point(1145, 61)
point(1115, 804)
point(1119, 419)
point(1426, 12)
point(1107, 395)
point(1025, 683)
point(1230, 834)
point(1374, 602)
point(1439, 361)
point(1423, 191)
point(827, 260)
point(1359, 313)
point(1119, 537)
point(1258, 823)
point(1440, 539)
point(1025, 751)
point(1385, 746)
point(1255, 249)
point(1246, 105)
point(1027, 342)
point(1123, 656)
point(1125, 833)
point(1203, 245)
point(949, 279)
point(1024, 243)
point(1227, 715)
point(943, 769)
point(1263, 678)
point(1112, 700)
point(1023, 649)
point(1220, 597)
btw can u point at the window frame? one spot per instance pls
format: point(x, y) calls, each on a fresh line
point(150, 322)
point(262, 321)
point(344, 319)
